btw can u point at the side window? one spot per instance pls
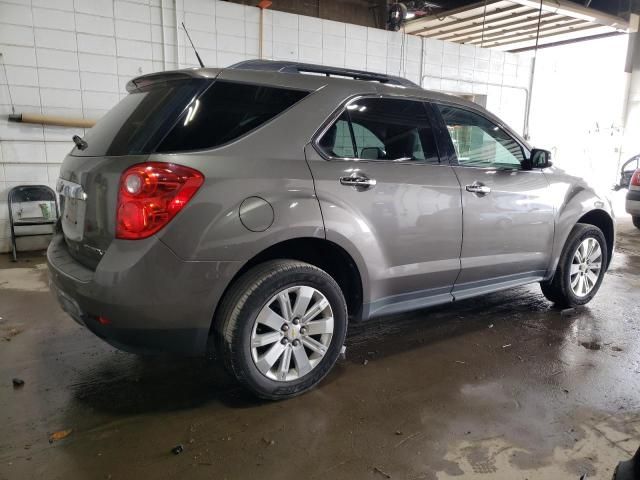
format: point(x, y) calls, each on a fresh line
point(337, 141)
point(479, 142)
point(383, 129)
point(225, 112)
point(368, 144)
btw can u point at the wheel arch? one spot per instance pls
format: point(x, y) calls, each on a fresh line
point(319, 252)
point(602, 220)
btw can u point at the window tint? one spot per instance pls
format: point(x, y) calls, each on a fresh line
point(369, 145)
point(140, 120)
point(225, 112)
point(384, 129)
point(479, 142)
point(337, 141)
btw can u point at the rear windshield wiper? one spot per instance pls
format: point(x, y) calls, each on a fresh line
point(80, 143)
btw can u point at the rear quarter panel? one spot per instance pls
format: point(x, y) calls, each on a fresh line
point(268, 163)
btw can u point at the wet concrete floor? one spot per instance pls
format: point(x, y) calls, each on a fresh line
point(504, 386)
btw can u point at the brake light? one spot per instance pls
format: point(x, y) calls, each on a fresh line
point(150, 195)
point(635, 179)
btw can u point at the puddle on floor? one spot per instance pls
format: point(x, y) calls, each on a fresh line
point(32, 279)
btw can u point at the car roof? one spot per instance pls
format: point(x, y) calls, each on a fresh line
point(304, 75)
point(312, 77)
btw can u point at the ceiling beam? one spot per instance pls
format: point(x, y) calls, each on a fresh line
point(477, 22)
point(492, 27)
point(533, 27)
point(533, 32)
point(532, 37)
point(411, 26)
point(465, 23)
point(567, 42)
point(575, 10)
point(416, 25)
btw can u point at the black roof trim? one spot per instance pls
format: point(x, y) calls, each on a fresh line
point(296, 67)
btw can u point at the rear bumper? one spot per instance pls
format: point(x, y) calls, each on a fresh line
point(149, 299)
point(632, 205)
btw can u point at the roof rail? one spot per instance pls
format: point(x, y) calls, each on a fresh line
point(296, 67)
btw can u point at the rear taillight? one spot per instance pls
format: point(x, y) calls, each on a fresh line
point(150, 195)
point(635, 179)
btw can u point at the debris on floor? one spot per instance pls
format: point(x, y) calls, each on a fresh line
point(17, 382)
point(178, 449)
point(10, 333)
point(59, 435)
point(381, 472)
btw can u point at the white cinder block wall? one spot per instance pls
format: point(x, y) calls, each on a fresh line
point(74, 57)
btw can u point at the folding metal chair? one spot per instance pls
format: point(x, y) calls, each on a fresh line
point(31, 206)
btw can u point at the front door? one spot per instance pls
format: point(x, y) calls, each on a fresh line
point(508, 215)
point(387, 199)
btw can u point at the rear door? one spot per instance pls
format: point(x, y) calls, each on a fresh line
point(387, 198)
point(508, 220)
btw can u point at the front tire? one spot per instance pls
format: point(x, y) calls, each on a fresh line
point(580, 269)
point(281, 327)
point(636, 221)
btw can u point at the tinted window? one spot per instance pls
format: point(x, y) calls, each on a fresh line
point(140, 120)
point(479, 142)
point(225, 112)
point(337, 141)
point(384, 129)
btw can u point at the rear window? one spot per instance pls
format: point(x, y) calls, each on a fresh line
point(141, 119)
point(185, 115)
point(225, 112)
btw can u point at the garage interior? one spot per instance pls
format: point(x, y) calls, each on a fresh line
point(502, 386)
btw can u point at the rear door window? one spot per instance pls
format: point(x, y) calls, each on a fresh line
point(337, 140)
point(383, 129)
point(225, 112)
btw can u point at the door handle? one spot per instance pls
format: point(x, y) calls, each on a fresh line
point(358, 181)
point(478, 188)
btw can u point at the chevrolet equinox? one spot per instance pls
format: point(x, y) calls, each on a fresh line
point(252, 211)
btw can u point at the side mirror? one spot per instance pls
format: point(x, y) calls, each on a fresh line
point(540, 158)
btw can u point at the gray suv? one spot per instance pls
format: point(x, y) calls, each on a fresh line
point(252, 211)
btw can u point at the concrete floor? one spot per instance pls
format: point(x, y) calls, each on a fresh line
point(501, 387)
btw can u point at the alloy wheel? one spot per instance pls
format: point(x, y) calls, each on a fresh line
point(292, 333)
point(585, 267)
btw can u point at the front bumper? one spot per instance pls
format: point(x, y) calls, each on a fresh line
point(141, 297)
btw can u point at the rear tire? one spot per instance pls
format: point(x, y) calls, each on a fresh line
point(636, 221)
point(575, 282)
point(255, 310)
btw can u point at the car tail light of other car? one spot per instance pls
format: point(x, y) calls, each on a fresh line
point(150, 195)
point(635, 179)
